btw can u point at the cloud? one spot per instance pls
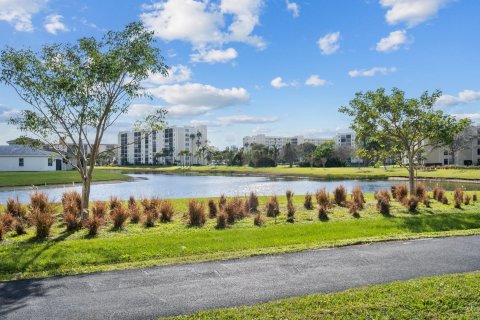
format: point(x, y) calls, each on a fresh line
point(234, 119)
point(294, 8)
point(53, 24)
point(214, 56)
point(315, 81)
point(19, 13)
point(142, 110)
point(176, 74)
point(471, 116)
point(328, 44)
point(371, 72)
point(411, 12)
point(463, 97)
point(7, 113)
point(195, 98)
point(278, 83)
point(203, 23)
point(261, 129)
point(393, 42)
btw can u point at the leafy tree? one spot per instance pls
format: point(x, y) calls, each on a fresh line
point(77, 91)
point(324, 151)
point(459, 142)
point(290, 153)
point(408, 124)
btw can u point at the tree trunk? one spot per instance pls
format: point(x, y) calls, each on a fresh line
point(85, 197)
point(411, 175)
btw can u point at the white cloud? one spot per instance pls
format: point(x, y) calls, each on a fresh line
point(471, 116)
point(328, 44)
point(195, 98)
point(393, 42)
point(19, 12)
point(371, 72)
point(176, 74)
point(234, 119)
point(294, 8)
point(202, 23)
point(53, 24)
point(7, 113)
point(315, 81)
point(411, 12)
point(261, 129)
point(278, 83)
point(214, 56)
point(463, 97)
point(142, 110)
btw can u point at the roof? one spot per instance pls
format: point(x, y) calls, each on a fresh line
point(18, 150)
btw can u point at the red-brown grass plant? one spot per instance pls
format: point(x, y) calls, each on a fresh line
point(235, 210)
point(340, 195)
point(134, 211)
point(307, 203)
point(41, 214)
point(72, 208)
point(7, 221)
point(412, 203)
point(166, 211)
point(222, 201)
point(393, 189)
point(258, 220)
point(19, 214)
point(114, 203)
point(99, 209)
point(3, 230)
point(353, 208)
point(438, 194)
point(118, 215)
point(474, 197)
point(383, 202)
point(149, 218)
point(152, 206)
point(290, 212)
point(427, 201)
point(212, 209)
point(222, 220)
point(420, 191)
point(401, 193)
point(358, 197)
point(323, 198)
point(458, 197)
point(289, 195)
point(93, 223)
point(196, 213)
point(444, 199)
point(323, 213)
point(467, 199)
point(253, 202)
point(273, 208)
point(246, 208)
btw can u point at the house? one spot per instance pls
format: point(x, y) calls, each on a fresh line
point(22, 158)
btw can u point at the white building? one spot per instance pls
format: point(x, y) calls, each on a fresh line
point(279, 142)
point(162, 147)
point(23, 158)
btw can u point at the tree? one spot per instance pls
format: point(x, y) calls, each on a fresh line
point(408, 124)
point(290, 154)
point(324, 151)
point(77, 91)
point(459, 142)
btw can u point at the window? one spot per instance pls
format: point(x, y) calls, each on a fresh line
point(445, 152)
point(50, 162)
point(445, 161)
point(478, 151)
point(20, 162)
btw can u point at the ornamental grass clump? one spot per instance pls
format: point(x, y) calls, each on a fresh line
point(166, 211)
point(19, 215)
point(358, 197)
point(353, 208)
point(118, 215)
point(221, 220)
point(93, 223)
point(383, 202)
point(149, 218)
point(41, 214)
point(258, 220)
point(412, 203)
point(307, 203)
point(289, 195)
point(438, 194)
point(222, 201)
point(427, 201)
point(340, 196)
point(196, 213)
point(134, 210)
point(114, 203)
point(273, 208)
point(401, 193)
point(72, 208)
point(99, 209)
point(323, 199)
point(467, 199)
point(7, 222)
point(444, 200)
point(253, 202)
point(474, 197)
point(420, 191)
point(212, 209)
point(458, 197)
point(290, 212)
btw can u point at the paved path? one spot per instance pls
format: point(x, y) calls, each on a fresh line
point(172, 290)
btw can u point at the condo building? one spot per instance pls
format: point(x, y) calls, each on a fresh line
point(279, 142)
point(171, 145)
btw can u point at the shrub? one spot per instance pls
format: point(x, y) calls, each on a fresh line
point(258, 220)
point(196, 213)
point(474, 197)
point(401, 193)
point(118, 215)
point(435, 193)
point(134, 211)
point(99, 209)
point(393, 189)
point(467, 199)
point(222, 201)
point(2, 231)
point(273, 208)
point(438, 194)
point(149, 218)
point(358, 197)
point(39, 200)
point(7, 221)
point(289, 195)
point(426, 201)
point(340, 195)
point(152, 206)
point(167, 211)
point(42, 219)
point(19, 214)
point(72, 208)
point(308, 202)
point(322, 213)
point(222, 220)
point(353, 208)
point(458, 197)
point(420, 191)
point(412, 203)
point(235, 210)
point(290, 212)
point(382, 194)
point(131, 201)
point(323, 198)
point(93, 223)
point(114, 203)
point(444, 199)
point(212, 208)
point(383, 202)
point(253, 202)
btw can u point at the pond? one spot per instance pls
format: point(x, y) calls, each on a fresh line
point(202, 186)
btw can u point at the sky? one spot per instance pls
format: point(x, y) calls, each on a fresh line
point(275, 67)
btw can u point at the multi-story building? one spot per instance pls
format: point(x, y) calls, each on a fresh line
point(278, 141)
point(171, 145)
point(345, 139)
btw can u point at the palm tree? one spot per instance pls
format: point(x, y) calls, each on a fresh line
point(192, 137)
point(183, 154)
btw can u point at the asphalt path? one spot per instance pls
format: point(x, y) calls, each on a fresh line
point(178, 289)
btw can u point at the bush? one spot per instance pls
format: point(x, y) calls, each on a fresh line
point(258, 220)
point(290, 212)
point(474, 197)
point(222, 201)
point(72, 209)
point(39, 200)
point(19, 215)
point(412, 203)
point(134, 212)
point(253, 202)
point(131, 201)
point(420, 191)
point(167, 211)
point(289, 195)
point(99, 209)
point(7, 221)
point(444, 199)
point(114, 203)
point(401, 193)
point(358, 197)
point(118, 215)
point(438, 194)
point(222, 220)
point(235, 209)
point(340, 195)
point(43, 220)
point(458, 197)
point(467, 199)
point(273, 208)
point(383, 202)
point(426, 201)
point(196, 213)
point(353, 208)
point(322, 213)
point(323, 198)
point(149, 218)
point(212, 209)
point(93, 223)
point(308, 202)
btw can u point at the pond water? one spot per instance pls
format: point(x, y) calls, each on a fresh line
point(202, 186)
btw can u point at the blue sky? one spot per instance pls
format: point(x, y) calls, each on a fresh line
point(275, 67)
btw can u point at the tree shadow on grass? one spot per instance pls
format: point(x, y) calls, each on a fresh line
point(443, 222)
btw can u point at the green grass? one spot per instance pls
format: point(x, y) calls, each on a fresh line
point(324, 173)
point(442, 297)
point(136, 246)
point(15, 179)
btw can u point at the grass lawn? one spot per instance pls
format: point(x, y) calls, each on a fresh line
point(442, 297)
point(15, 179)
point(166, 243)
point(326, 173)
